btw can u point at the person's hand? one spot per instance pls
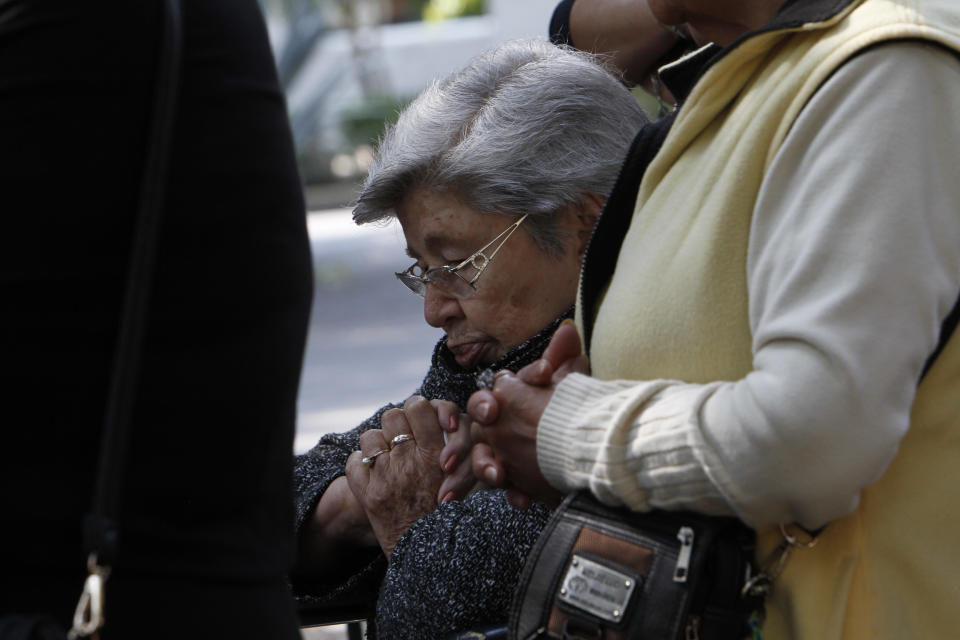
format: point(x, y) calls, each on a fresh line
point(506, 418)
point(564, 355)
point(399, 485)
point(505, 435)
point(455, 455)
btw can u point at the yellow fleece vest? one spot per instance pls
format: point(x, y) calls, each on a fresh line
point(676, 307)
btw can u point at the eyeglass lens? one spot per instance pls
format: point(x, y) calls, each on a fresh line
point(457, 281)
point(448, 282)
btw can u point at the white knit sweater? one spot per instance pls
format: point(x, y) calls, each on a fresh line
point(858, 210)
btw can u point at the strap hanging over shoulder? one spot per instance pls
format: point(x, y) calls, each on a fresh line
point(101, 528)
point(946, 331)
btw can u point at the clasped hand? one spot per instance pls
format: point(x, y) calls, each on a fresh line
point(398, 476)
point(397, 481)
point(505, 420)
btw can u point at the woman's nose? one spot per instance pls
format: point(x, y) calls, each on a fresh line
point(440, 308)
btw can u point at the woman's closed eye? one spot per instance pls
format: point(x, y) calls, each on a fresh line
point(445, 263)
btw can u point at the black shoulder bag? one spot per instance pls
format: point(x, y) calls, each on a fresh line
point(100, 531)
point(599, 572)
point(605, 573)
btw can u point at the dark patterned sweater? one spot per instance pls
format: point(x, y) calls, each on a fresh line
point(455, 568)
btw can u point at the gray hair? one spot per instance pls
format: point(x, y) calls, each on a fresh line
point(528, 127)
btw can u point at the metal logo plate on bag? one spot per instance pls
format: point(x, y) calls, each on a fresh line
point(596, 588)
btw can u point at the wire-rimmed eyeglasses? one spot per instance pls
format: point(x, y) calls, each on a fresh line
point(458, 281)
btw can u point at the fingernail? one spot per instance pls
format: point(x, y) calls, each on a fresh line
point(542, 367)
point(453, 423)
point(448, 497)
point(450, 464)
point(484, 410)
point(566, 321)
point(490, 475)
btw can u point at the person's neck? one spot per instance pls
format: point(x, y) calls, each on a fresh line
point(748, 16)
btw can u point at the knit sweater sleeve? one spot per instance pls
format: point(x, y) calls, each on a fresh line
point(457, 567)
point(314, 471)
point(325, 462)
point(853, 262)
point(453, 525)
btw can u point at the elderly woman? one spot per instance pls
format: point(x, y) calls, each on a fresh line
point(497, 175)
point(774, 339)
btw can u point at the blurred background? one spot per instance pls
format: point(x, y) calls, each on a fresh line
point(348, 67)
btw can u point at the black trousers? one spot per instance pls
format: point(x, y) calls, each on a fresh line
point(206, 522)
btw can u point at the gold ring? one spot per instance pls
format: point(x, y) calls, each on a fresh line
point(400, 439)
point(368, 461)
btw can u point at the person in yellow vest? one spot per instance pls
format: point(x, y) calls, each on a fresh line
point(760, 346)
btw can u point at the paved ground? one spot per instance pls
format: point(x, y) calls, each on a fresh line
point(368, 342)
point(336, 632)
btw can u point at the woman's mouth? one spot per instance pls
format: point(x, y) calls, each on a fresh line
point(468, 354)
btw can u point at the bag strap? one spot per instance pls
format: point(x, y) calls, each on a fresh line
point(946, 331)
point(761, 583)
point(100, 527)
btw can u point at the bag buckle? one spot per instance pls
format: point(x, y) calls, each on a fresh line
point(761, 584)
point(88, 617)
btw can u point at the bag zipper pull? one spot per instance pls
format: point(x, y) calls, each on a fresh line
point(685, 536)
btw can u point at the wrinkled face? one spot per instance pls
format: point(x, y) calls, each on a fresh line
point(521, 291)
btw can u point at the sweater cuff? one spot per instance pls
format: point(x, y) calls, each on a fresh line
point(628, 442)
point(566, 451)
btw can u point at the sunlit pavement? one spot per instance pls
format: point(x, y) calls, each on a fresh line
point(333, 632)
point(368, 342)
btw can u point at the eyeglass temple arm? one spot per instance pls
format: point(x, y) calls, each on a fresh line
point(505, 234)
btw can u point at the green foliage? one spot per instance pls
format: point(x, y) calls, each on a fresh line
point(647, 102)
point(443, 9)
point(409, 10)
point(366, 122)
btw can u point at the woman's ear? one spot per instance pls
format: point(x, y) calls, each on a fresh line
point(587, 214)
